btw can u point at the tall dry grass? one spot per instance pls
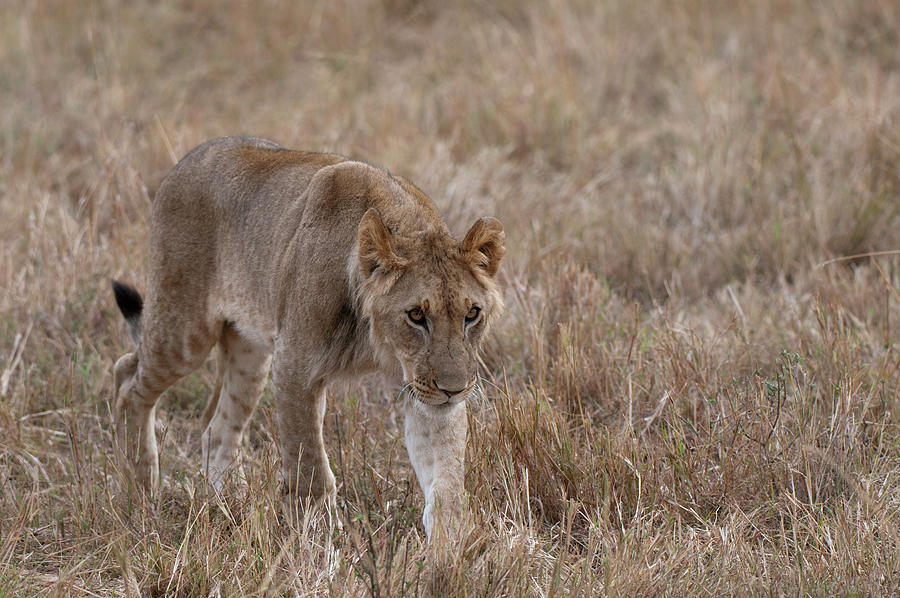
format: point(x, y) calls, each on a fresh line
point(685, 398)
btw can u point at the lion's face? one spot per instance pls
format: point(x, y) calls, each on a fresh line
point(430, 302)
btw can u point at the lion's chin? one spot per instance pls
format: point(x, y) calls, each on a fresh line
point(431, 402)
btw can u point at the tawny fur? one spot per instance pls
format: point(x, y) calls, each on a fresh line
point(310, 263)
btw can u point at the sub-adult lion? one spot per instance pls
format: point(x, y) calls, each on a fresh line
point(321, 267)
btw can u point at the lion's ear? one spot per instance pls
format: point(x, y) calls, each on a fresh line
point(375, 245)
point(483, 245)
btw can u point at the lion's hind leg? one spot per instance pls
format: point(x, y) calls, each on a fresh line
point(162, 358)
point(243, 367)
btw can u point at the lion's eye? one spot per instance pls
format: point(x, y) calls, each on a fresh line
point(473, 314)
point(416, 316)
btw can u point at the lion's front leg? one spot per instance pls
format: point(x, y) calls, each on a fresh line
point(300, 412)
point(436, 441)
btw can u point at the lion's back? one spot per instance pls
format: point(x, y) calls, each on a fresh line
point(219, 217)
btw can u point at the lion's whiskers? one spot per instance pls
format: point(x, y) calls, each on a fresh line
point(406, 387)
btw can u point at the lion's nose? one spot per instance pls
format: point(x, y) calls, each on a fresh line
point(450, 393)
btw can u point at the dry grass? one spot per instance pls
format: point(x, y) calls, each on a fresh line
point(682, 399)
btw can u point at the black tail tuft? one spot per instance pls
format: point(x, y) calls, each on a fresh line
point(128, 300)
point(131, 305)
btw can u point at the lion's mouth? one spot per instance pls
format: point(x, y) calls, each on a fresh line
point(431, 399)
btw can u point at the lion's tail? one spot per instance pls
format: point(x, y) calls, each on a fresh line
point(130, 304)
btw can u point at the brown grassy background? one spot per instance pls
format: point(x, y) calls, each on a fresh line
point(683, 399)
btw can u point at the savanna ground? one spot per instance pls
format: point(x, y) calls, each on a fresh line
point(687, 396)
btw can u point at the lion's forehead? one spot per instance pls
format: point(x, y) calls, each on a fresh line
point(440, 281)
point(452, 296)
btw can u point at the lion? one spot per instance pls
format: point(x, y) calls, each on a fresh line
point(319, 268)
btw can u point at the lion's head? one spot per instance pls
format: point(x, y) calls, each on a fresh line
point(430, 300)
